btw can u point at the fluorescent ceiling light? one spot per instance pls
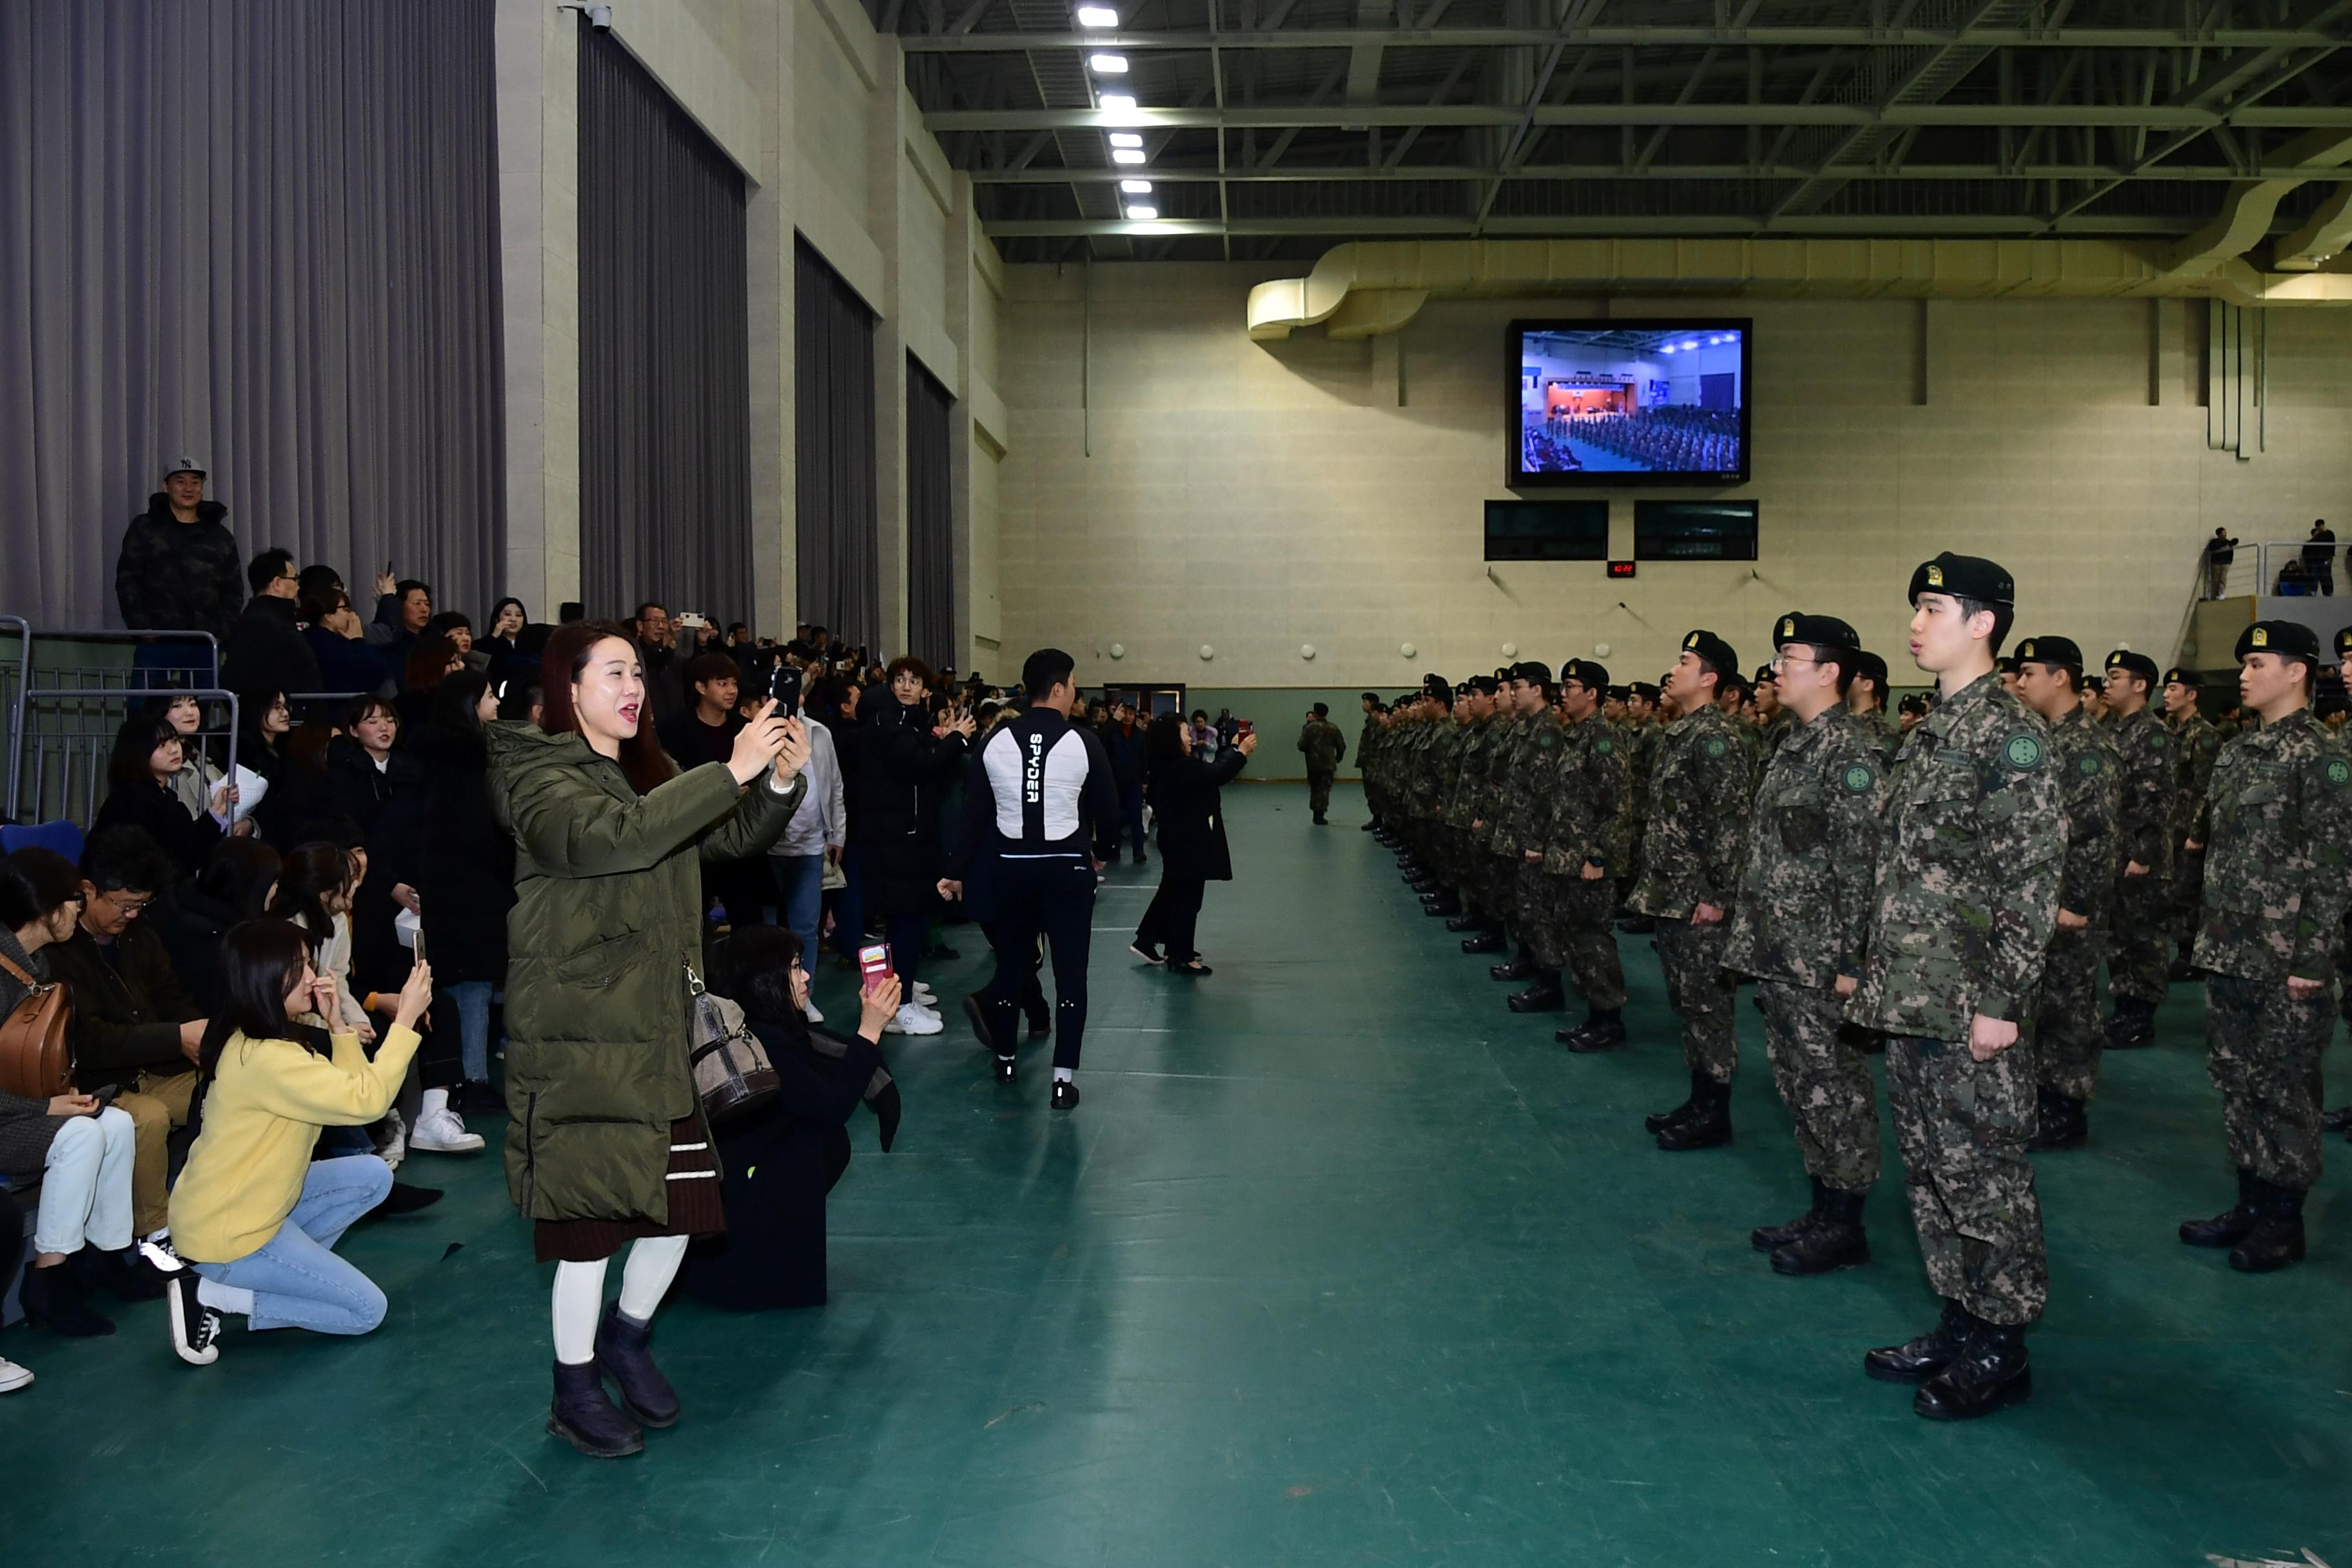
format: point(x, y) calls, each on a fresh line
point(1127, 156)
point(1141, 210)
point(1118, 101)
point(1097, 16)
point(1125, 139)
point(1107, 64)
point(1136, 187)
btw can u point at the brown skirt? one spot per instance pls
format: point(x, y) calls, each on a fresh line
point(696, 1208)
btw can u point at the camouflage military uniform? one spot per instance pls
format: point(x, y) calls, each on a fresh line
point(1576, 924)
point(1698, 803)
point(2196, 743)
point(1496, 804)
point(2274, 900)
point(2066, 1036)
point(1641, 762)
point(1802, 916)
point(1461, 808)
point(1525, 816)
point(1324, 747)
point(1965, 896)
point(1441, 762)
point(2140, 950)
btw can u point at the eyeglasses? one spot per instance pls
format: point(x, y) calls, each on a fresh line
point(1783, 660)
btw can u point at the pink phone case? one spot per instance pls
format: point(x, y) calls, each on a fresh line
point(873, 966)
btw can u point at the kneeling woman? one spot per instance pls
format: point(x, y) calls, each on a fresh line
point(783, 1159)
point(253, 1215)
point(607, 1144)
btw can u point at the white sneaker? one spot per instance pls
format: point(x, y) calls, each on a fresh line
point(14, 1377)
point(161, 1256)
point(441, 1132)
point(392, 1140)
point(811, 1014)
point(910, 1019)
point(926, 996)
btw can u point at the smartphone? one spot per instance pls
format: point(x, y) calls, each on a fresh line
point(873, 966)
point(420, 941)
point(785, 686)
point(106, 1096)
point(1245, 727)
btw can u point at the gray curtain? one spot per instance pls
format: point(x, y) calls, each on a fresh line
point(840, 551)
point(263, 232)
point(930, 518)
point(665, 352)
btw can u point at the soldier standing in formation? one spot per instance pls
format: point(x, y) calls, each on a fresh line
point(2139, 960)
point(1699, 791)
point(1965, 896)
point(2064, 1036)
point(1801, 915)
point(1585, 839)
point(1372, 704)
point(1325, 749)
point(2273, 913)
point(2196, 741)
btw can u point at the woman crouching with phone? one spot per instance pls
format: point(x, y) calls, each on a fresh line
point(253, 1215)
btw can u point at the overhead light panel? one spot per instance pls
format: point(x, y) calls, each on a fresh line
point(1118, 101)
point(1136, 187)
point(1141, 210)
point(1097, 16)
point(1127, 155)
point(1125, 139)
point(1106, 65)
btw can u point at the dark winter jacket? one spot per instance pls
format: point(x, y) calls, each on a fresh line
point(27, 1127)
point(128, 1006)
point(461, 862)
point(1123, 744)
point(267, 652)
point(378, 803)
point(180, 576)
point(607, 911)
point(348, 664)
point(157, 808)
point(1192, 826)
point(895, 822)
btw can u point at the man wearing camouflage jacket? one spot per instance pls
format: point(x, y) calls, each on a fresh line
point(1583, 838)
point(2139, 957)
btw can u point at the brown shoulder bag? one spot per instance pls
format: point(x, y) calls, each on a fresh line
point(33, 1060)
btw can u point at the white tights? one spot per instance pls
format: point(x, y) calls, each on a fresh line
point(580, 1293)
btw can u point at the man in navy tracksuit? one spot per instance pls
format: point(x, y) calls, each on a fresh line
point(1033, 792)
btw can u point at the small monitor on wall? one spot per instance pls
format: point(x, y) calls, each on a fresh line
point(1630, 403)
point(1547, 530)
point(1694, 531)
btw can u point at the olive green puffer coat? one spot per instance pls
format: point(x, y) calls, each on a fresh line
point(608, 910)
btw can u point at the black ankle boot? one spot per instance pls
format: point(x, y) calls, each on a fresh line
point(1519, 968)
point(1543, 996)
point(1441, 903)
point(583, 1417)
point(2232, 1225)
point(2061, 1123)
point(2133, 1027)
point(1764, 1238)
point(53, 1299)
point(1837, 1241)
point(2276, 1239)
point(624, 1355)
point(1708, 1126)
point(1917, 1359)
point(1990, 1374)
point(2336, 1120)
point(1466, 920)
point(1484, 942)
point(1601, 1032)
point(1659, 1121)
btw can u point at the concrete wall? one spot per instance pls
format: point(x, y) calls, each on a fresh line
point(1258, 498)
point(811, 105)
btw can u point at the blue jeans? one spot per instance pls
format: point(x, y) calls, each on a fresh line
point(86, 1187)
point(472, 999)
point(296, 1280)
point(800, 898)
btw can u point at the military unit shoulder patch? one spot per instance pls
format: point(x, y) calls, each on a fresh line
point(2156, 740)
point(2089, 764)
point(1858, 777)
point(1605, 745)
point(1715, 746)
point(2022, 752)
point(2339, 773)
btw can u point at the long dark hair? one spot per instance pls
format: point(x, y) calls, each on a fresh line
point(305, 877)
point(456, 701)
point(135, 743)
point(755, 971)
point(642, 760)
point(239, 873)
point(428, 661)
point(33, 882)
point(260, 959)
point(1162, 737)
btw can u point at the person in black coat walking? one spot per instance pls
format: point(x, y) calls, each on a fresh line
point(1193, 850)
point(781, 1160)
point(904, 764)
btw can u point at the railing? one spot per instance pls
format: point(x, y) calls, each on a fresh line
point(62, 717)
point(2277, 566)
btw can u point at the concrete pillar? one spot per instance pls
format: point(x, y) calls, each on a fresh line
point(887, 123)
point(775, 558)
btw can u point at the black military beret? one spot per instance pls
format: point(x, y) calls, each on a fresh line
point(1439, 693)
point(2289, 639)
point(2177, 676)
point(1914, 703)
point(1642, 690)
point(1584, 672)
point(1713, 652)
point(1764, 672)
point(2058, 653)
point(1486, 685)
point(2137, 664)
point(2007, 664)
point(1966, 576)
point(1820, 631)
point(1532, 673)
point(1617, 693)
point(1322, 711)
point(2344, 643)
point(1871, 665)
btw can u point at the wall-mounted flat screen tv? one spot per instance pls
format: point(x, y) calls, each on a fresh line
point(1630, 403)
point(1547, 530)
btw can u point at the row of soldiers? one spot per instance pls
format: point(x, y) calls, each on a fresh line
point(1942, 890)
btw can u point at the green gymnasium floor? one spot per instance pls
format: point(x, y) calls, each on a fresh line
point(1340, 1263)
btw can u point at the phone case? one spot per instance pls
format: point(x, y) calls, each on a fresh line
point(873, 964)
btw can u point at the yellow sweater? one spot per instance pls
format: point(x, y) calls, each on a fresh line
point(262, 1115)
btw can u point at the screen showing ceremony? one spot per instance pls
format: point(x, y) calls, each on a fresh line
point(1601, 404)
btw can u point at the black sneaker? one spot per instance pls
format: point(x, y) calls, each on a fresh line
point(1004, 1065)
point(1147, 950)
point(195, 1327)
point(1139, 857)
point(1065, 1094)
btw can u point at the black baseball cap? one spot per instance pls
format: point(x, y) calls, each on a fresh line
point(1966, 576)
point(2058, 653)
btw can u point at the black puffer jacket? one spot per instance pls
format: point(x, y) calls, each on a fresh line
point(902, 768)
point(180, 576)
point(267, 652)
point(461, 861)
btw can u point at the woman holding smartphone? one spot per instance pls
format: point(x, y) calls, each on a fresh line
point(1192, 852)
point(607, 1147)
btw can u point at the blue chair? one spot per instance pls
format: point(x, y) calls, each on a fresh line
point(60, 835)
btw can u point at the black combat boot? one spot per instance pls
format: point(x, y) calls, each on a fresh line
point(1543, 996)
point(1836, 1242)
point(1442, 903)
point(2133, 1027)
point(1990, 1374)
point(1766, 1238)
point(2276, 1239)
point(1659, 1121)
point(1922, 1357)
point(1520, 966)
point(1707, 1126)
point(2062, 1124)
point(2232, 1225)
point(1637, 925)
point(2336, 1120)
point(583, 1414)
point(1603, 1031)
point(2183, 968)
point(1484, 942)
point(1468, 920)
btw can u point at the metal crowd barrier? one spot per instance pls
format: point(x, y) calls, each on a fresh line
point(62, 715)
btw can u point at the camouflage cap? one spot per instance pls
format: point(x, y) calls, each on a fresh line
point(2288, 639)
point(1713, 652)
point(2132, 663)
point(2058, 653)
point(1584, 672)
point(1818, 631)
point(1964, 576)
